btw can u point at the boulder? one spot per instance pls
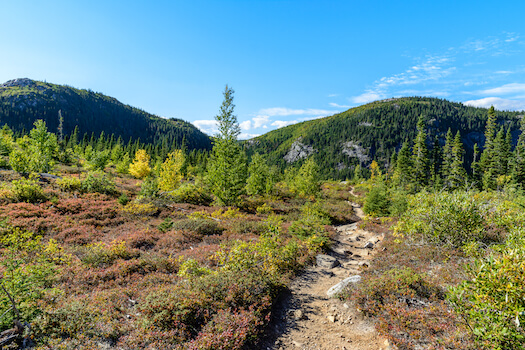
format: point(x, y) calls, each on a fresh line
point(338, 288)
point(327, 261)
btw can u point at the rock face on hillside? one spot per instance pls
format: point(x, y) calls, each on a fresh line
point(298, 151)
point(21, 82)
point(353, 149)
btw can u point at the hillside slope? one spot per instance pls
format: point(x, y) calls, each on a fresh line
point(373, 131)
point(22, 101)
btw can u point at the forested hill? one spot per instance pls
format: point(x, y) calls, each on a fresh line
point(22, 101)
point(374, 131)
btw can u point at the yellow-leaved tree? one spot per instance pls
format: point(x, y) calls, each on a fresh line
point(171, 171)
point(140, 168)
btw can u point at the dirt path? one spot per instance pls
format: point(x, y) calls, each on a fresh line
point(307, 318)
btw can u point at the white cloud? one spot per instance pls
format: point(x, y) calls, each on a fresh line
point(283, 112)
point(207, 126)
point(498, 103)
point(506, 89)
point(283, 123)
point(338, 106)
point(260, 121)
point(366, 97)
point(246, 136)
point(246, 125)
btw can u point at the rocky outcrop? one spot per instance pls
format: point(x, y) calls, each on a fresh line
point(353, 149)
point(21, 82)
point(298, 151)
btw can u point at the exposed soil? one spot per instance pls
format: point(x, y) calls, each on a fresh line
point(306, 318)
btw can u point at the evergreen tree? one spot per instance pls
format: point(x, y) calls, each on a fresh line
point(402, 175)
point(457, 175)
point(448, 156)
point(436, 157)
point(420, 160)
point(38, 150)
point(518, 165)
point(475, 163)
point(487, 159)
point(307, 181)
point(258, 182)
point(227, 169)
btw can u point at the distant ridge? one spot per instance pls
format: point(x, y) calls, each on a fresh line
point(374, 131)
point(22, 101)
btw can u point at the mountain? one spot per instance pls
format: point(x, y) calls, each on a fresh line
point(22, 101)
point(373, 131)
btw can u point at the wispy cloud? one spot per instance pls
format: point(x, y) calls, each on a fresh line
point(283, 112)
point(431, 68)
point(492, 46)
point(332, 104)
point(507, 89)
point(444, 74)
point(498, 103)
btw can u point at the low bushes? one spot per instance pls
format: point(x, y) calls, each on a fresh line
point(457, 218)
point(27, 190)
point(95, 181)
point(492, 300)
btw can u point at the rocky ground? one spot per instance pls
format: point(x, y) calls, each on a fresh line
point(309, 317)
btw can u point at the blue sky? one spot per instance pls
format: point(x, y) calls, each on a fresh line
point(288, 61)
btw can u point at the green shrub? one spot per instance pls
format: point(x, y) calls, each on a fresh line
point(99, 160)
point(377, 202)
point(27, 270)
point(310, 222)
point(267, 256)
point(28, 190)
point(191, 268)
point(492, 300)
point(451, 218)
point(201, 226)
point(141, 209)
point(149, 188)
point(69, 183)
point(191, 193)
point(398, 204)
point(375, 293)
point(123, 199)
point(98, 182)
point(166, 225)
point(101, 255)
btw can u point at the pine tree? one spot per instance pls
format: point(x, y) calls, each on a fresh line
point(402, 175)
point(475, 163)
point(518, 165)
point(420, 161)
point(457, 175)
point(487, 161)
point(436, 158)
point(227, 169)
point(258, 182)
point(307, 181)
point(448, 156)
